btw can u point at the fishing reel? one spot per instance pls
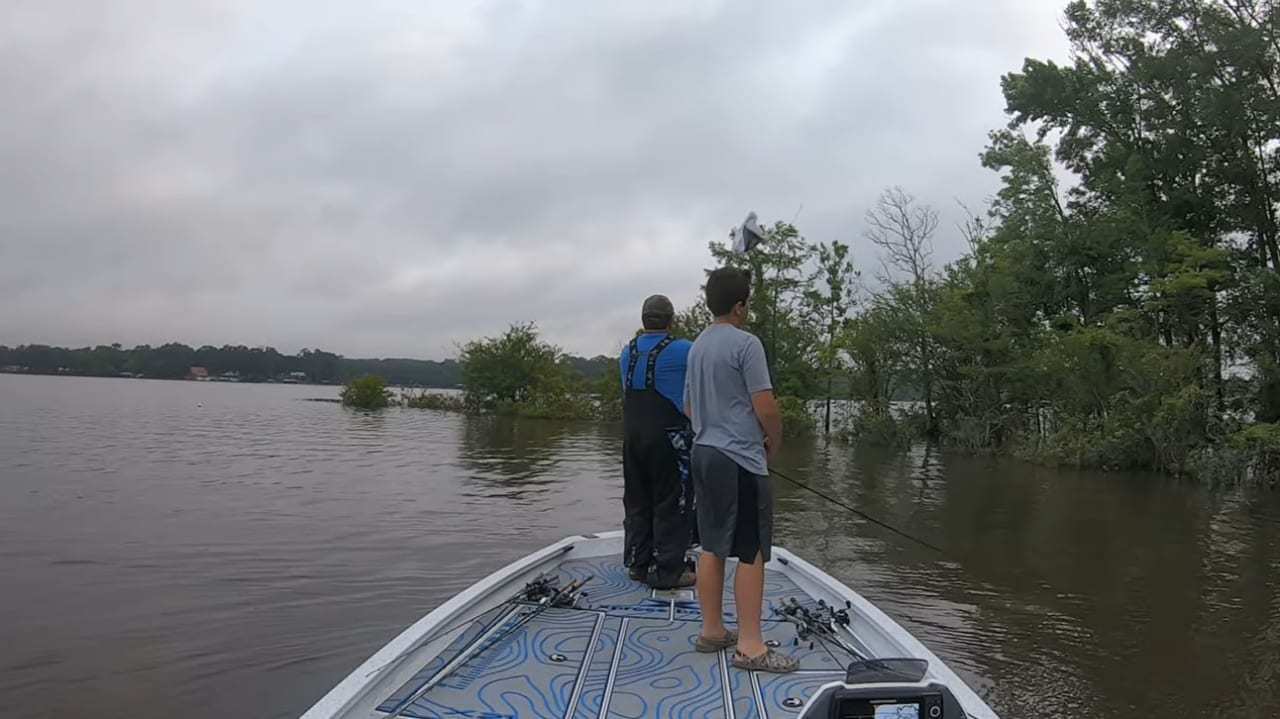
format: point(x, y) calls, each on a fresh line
point(541, 588)
point(547, 591)
point(817, 623)
point(822, 618)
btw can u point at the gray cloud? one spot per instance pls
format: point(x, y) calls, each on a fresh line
point(389, 178)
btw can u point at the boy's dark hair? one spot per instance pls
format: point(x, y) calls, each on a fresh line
point(726, 287)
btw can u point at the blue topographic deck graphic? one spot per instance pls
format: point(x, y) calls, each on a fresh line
point(516, 676)
point(625, 654)
point(661, 675)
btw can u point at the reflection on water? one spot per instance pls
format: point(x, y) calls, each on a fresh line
point(230, 550)
point(530, 456)
point(1070, 593)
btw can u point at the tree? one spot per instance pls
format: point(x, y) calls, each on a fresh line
point(321, 366)
point(903, 230)
point(829, 299)
point(872, 344)
point(510, 369)
point(368, 392)
point(1170, 114)
point(689, 322)
point(779, 267)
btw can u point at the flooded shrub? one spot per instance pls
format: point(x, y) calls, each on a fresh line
point(557, 403)
point(368, 392)
point(972, 432)
point(880, 429)
point(1250, 455)
point(607, 392)
point(510, 369)
point(434, 400)
point(797, 420)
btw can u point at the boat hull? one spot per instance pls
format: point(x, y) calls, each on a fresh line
point(625, 650)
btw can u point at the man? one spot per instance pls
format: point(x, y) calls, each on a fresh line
point(658, 524)
point(737, 428)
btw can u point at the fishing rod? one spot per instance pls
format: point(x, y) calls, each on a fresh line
point(460, 624)
point(547, 596)
point(535, 590)
point(862, 514)
point(550, 596)
point(820, 624)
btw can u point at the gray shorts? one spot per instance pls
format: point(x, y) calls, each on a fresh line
point(735, 507)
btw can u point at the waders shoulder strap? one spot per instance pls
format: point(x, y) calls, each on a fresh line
point(652, 364)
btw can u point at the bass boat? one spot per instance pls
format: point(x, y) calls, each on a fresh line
point(564, 633)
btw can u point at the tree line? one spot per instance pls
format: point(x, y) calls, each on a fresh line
point(1127, 318)
point(247, 364)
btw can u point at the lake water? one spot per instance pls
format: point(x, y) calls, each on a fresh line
point(221, 550)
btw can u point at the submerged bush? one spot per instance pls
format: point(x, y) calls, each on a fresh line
point(797, 420)
point(880, 429)
point(434, 400)
point(368, 392)
point(607, 391)
point(510, 369)
point(974, 432)
point(1250, 455)
point(560, 403)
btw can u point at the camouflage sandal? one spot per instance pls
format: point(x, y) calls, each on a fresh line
point(770, 661)
point(707, 646)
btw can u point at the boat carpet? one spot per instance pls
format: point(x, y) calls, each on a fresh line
point(570, 663)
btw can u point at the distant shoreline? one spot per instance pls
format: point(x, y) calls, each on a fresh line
point(33, 373)
point(240, 363)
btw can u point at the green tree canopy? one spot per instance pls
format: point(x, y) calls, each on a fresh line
point(511, 368)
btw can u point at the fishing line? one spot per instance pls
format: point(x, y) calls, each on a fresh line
point(862, 514)
point(825, 648)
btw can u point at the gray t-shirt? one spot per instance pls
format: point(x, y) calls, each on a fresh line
point(726, 366)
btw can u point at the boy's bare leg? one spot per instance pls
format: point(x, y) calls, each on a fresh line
point(748, 600)
point(711, 594)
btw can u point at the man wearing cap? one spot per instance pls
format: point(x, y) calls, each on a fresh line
point(658, 522)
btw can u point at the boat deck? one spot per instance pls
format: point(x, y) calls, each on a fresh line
point(627, 651)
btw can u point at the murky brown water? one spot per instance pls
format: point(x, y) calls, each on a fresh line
point(203, 550)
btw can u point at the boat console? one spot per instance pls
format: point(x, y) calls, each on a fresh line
point(884, 689)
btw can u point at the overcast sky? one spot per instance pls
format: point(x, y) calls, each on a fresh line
point(392, 178)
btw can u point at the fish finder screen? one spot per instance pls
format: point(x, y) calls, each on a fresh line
point(863, 709)
point(897, 711)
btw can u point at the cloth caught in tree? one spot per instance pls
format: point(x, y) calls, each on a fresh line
point(747, 235)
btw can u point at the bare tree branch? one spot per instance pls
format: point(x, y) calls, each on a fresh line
point(903, 231)
point(971, 228)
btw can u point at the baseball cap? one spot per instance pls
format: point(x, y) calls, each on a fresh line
point(657, 307)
